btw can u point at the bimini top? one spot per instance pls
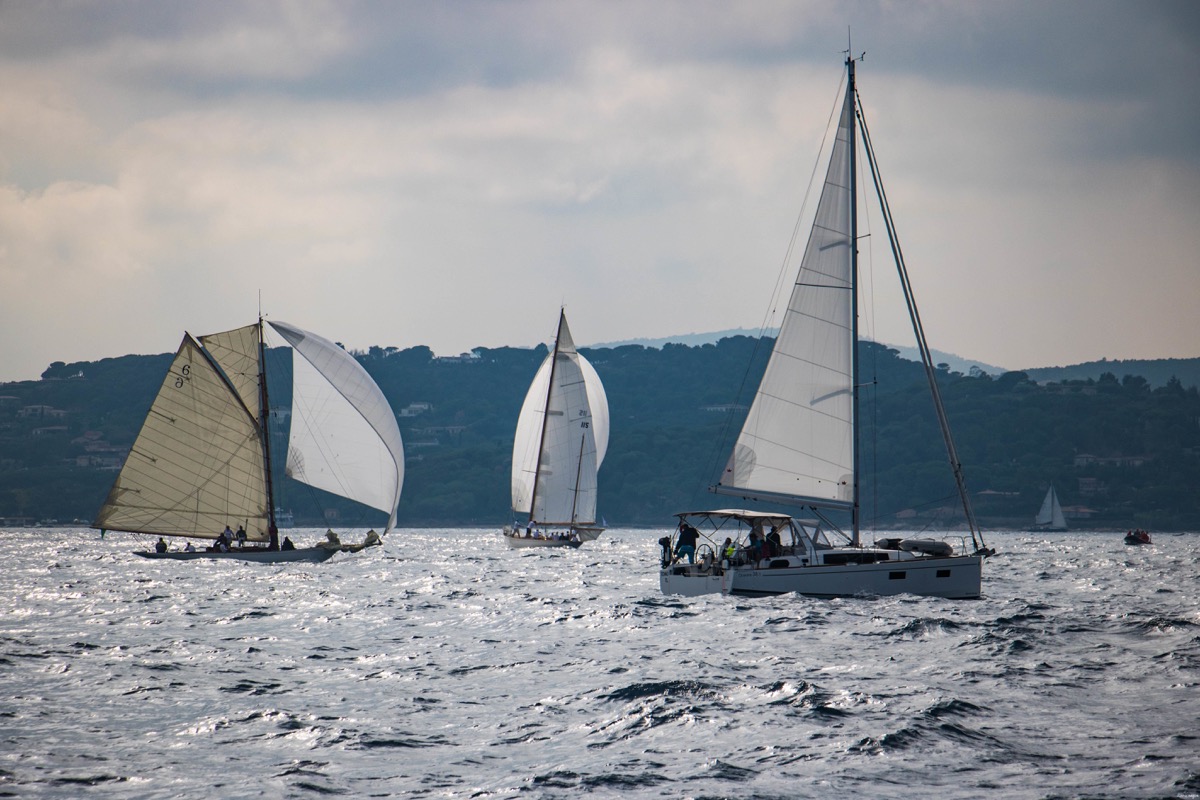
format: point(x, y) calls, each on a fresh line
point(734, 513)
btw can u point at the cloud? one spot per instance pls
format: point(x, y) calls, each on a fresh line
point(448, 174)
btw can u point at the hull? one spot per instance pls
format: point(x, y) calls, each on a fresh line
point(520, 542)
point(354, 548)
point(309, 554)
point(957, 577)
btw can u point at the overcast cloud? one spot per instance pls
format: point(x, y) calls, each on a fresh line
point(448, 174)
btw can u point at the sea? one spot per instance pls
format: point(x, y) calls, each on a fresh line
point(444, 665)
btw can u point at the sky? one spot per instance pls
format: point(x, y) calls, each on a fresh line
point(452, 173)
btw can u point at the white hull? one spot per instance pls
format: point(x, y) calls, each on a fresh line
point(575, 536)
point(520, 542)
point(956, 577)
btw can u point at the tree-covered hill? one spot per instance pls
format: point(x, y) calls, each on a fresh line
point(1156, 371)
point(1119, 449)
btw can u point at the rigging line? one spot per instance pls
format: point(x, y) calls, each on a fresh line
point(546, 414)
point(822, 286)
point(784, 272)
point(720, 443)
point(918, 330)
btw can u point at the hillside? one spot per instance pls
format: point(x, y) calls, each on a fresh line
point(1119, 450)
point(1157, 372)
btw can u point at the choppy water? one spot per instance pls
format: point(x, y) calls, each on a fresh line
point(444, 665)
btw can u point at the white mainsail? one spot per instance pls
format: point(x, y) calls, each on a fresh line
point(798, 438)
point(197, 464)
point(561, 438)
point(344, 437)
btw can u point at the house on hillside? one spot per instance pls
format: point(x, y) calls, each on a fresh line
point(472, 357)
point(41, 412)
point(1078, 512)
point(414, 409)
point(1089, 460)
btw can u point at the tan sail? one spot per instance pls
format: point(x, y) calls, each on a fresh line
point(197, 464)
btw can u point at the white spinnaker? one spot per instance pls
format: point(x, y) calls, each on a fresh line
point(598, 403)
point(798, 438)
point(344, 437)
point(566, 424)
point(197, 463)
point(528, 439)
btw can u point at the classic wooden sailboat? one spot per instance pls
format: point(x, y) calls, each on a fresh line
point(202, 461)
point(561, 438)
point(800, 442)
point(1050, 516)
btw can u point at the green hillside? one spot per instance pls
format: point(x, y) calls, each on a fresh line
point(1156, 371)
point(1119, 449)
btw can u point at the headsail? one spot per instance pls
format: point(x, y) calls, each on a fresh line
point(344, 437)
point(196, 465)
point(561, 438)
point(798, 438)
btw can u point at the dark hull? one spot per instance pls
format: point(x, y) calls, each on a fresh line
point(309, 554)
point(354, 548)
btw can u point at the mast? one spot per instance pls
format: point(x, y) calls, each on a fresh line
point(537, 471)
point(264, 411)
point(851, 98)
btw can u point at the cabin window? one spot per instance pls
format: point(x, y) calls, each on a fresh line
point(864, 557)
point(897, 576)
point(943, 573)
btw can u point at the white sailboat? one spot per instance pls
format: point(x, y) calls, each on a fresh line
point(202, 461)
point(560, 442)
point(1050, 516)
point(799, 444)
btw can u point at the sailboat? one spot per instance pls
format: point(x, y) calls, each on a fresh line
point(1050, 515)
point(561, 438)
point(202, 460)
point(799, 445)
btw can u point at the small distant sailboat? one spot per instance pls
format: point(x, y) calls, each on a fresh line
point(202, 460)
point(560, 442)
point(1050, 517)
point(799, 444)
